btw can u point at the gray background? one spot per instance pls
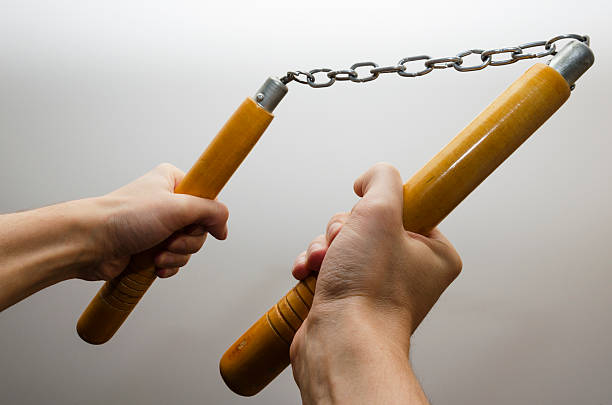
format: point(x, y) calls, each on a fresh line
point(94, 94)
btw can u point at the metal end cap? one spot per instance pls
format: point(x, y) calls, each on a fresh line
point(572, 61)
point(270, 94)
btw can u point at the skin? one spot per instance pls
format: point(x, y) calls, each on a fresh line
point(375, 285)
point(376, 281)
point(93, 239)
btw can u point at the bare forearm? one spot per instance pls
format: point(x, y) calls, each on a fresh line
point(346, 360)
point(42, 247)
point(95, 238)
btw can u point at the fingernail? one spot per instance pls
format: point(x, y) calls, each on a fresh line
point(315, 246)
point(301, 259)
point(333, 229)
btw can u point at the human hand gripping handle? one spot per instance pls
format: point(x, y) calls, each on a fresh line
point(375, 260)
point(262, 352)
point(118, 297)
point(376, 284)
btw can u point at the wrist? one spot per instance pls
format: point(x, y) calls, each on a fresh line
point(354, 326)
point(81, 223)
point(96, 220)
point(342, 354)
point(362, 319)
point(45, 246)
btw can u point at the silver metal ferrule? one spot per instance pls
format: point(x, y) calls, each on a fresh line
point(270, 94)
point(572, 61)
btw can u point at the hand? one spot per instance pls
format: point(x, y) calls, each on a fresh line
point(376, 283)
point(147, 213)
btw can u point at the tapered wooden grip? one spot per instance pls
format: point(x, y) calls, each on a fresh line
point(265, 346)
point(116, 299)
point(429, 196)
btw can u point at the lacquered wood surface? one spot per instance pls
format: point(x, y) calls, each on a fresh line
point(116, 299)
point(435, 190)
point(262, 352)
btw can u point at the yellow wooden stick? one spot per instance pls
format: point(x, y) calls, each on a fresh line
point(262, 352)
point(116, 299)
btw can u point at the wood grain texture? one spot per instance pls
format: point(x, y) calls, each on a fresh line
point(118, 297)
point(262, 352)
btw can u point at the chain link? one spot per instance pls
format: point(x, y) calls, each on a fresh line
point(490, 57)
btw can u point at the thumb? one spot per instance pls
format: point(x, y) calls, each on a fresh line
point(381, 186)
point(212, 215)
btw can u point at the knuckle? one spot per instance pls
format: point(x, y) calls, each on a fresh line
point(336, 220)
point(169, 273)
point(180, 244)
point(450, 261)
point(338, 217)
point(222, 212)
point(186, 245)
point(456, 264)
point(316, 243)
point(172, 260)
point(452, 264)
point(185, 260)
point(194, 245)
point(300, 257)
point(180, 260)
point(199, 242)
point(385, 167)
point(215, 213)
point(165, 167)
point(160, 259)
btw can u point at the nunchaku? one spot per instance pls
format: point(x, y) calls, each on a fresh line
point(262, 352)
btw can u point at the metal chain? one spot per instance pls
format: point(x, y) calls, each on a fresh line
point(487, 58)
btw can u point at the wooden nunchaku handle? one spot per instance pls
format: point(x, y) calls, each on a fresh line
point(262, 352)
point(116, 299)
